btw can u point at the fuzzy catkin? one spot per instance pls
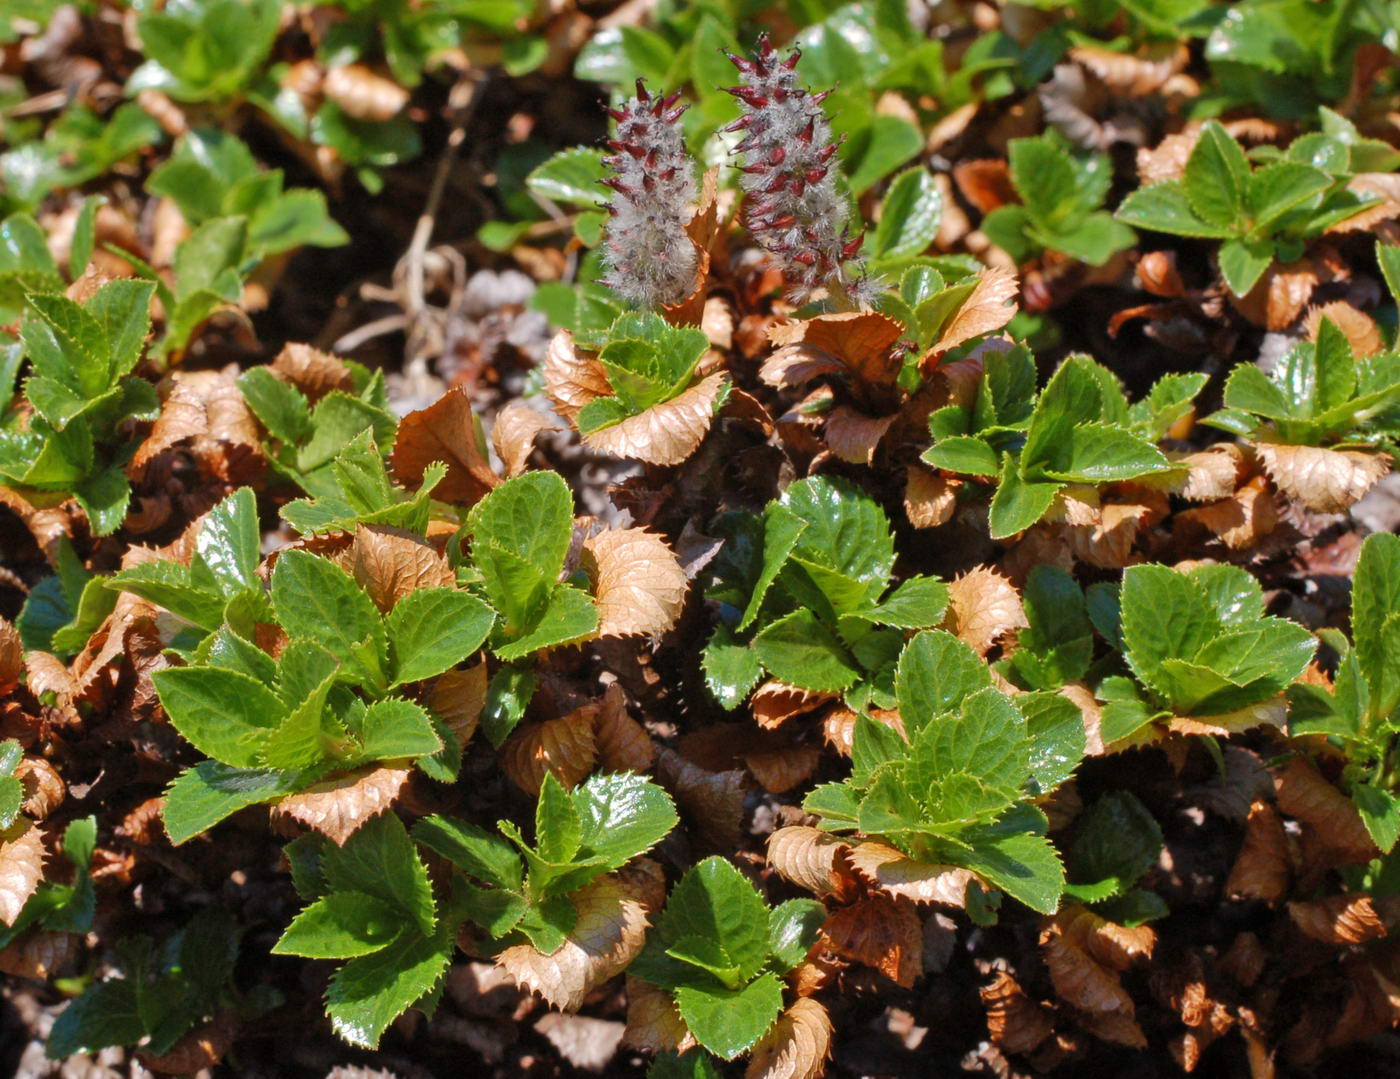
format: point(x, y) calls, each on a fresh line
point(794, 211)
point(649, 258)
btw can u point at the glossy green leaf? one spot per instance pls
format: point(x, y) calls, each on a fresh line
point(432, 629)
point(341, 925)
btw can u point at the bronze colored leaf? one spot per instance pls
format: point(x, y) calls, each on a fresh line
point(565, 746)
point(990, 307)
point(389, 563)
point(784, 767)
point(313, 372)
point(1306, 796)
point(1359, 328)
point(894, 872)
point(809, 857)
point(11, 657)
point(363, 94)
point(713, 802)
point(337, 807)
point(43, 788)
point(1262, 868)
point(571, 379)
point(514, 433)
point(199, 1050)
point(797, 1045)
point(654, 1023)
point(853, 436)
point(38, 954)
point(457, 698)
point(883, 932)
point(610, 932)
point(983, 607)
point(773, 703)
point(1323, 480)
point(1015, 1022)
point(1338, 919)
point(21, 866)
point(206, 410)
point(638, 583)
point(445, 431)
point(929, 497)
point(623, 743)
point(665, 434)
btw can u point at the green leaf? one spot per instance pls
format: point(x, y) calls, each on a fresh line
point(379, 859)
point(570, 616)
point(793, 927)
point(1217, 178)
point(1165, 616)
point(432, 629)
point(341, 925)
point(507, 696)
point(480, 853)
point(1164, 207)
point(1388, 255)
point(221, 713)
point(1098, 453)
point(369, 993)
point(203, 795)
point(1375, 603)
point(730, 667)
point(800, 650)
point(1018, 503)
point(876, 149)
point(974, 763)
point(73, 348)
point(11, 795)
point(917, 603)
point(105, 1015)
point(909, 216)
point(229, 544)
point(782, 528)
point(531, 516)
point(1056, 729)
point(317, 600)
point(278, 405)
point(1380, 812)
point(394, 728)
point(965, 454)
point(297, 740)
point(558, 830)
point(1243, 262)
point(936, 671)
point(1276, 189)
point(1116, 838)
point(571, 177)
point(728, 1021)
point(620, 817)
point(714, 901)
point(1024, 866)
point(846, 532)
point(1248, 388)
point(1047, 181)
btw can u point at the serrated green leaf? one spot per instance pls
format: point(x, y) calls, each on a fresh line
point(1116, 838)
point(105, 1015)
point(1243, 262)
point(341, 925)
point(793, 927)
point(1018, 503)
point(800, 650)
point(620, 817)
point(1217, 178)
point(278, 405)
point(1375, 604)
point(394, 728)
point(432, 629)
point(317, 600)
point(730, 667)
point(936, 671)
point(1164, 207)
point(1056, 730)
point(965, 454)
point(715, 901)
point(1165, 617)
point(782, 528)
point(570, 616)
point(916, 603)
point(1023, 865)
point(379, 859)
point(1098, 453)
point(558, 830)
point(229, 545)
point(571, 177)
point(203, 795)
point(972, 763)
point(909, 216)
point(369, 993)
point(480, 853)
point(846, 532)
point(11, 795)
point(728, 1021)
point(221, 713)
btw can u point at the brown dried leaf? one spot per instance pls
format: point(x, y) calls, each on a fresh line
point(313, 372)
point(883, 932)
point(623, 743)
point(808, 857)
point(1262, 869)
point(894, 872)
point(1080, 979)
point(797, 1045)
point(588, 1044)
point(610, 932)
point(929, 497)
point(565, 746)
point(1241, 520)
point(986, 183)
point(779, 770)
point(11, 657)
point(983, 606)
point(1323, 480)
point(860, 340)
point(363, 94)
point(1167, 160)
point(1306, 796)
point(38, 954)
point(713, 801)
point(445, 431)
point(1338, 919)
point(1280, 295)
point(571, 379)
point(48, 674)
point(1211, 474)
point(665, 434)
point(513, 436)
point(43, 788)
point(199, 1050)
point(654, 1023)
point(773, 703)
point(207, 410)
point(1133, 75)
point(1015, 1022)
point(389, 564)
point(457, 698)
point(796, 365)
point(1245, 960)
point(990, 307)
point(1360, 329)
point(639, 585)
point(21, 866)
point(337, 807)
point(854, 436)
